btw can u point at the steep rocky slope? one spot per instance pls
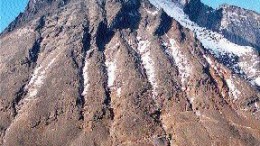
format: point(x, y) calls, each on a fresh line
point(127, 72)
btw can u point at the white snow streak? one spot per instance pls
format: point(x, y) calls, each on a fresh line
point(37, 79)
point(111, 69)
point(110, 64)
point(251, 69)
point(232, 89)
point(85, 75)
point(257, 81)
point(118, 91)
point(148, 63)
point(213, 41)
point(110, 55)
point(216, 67)
point(181, 61)
point(208, 59)
point(152, 12)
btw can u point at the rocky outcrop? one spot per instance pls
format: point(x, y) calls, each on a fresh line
point(119, 73)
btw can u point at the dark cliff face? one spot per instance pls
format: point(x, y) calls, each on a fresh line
point(239, 25)
point(204, 15)
point(117, 72)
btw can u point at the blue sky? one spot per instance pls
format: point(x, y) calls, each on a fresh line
point(248, 4)
point(9, 9)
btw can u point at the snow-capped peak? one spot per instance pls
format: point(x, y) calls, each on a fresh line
point(216, 43)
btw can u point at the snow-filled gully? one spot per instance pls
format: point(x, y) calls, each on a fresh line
point(110, 62)
point(85, 74)
point(148, 63)
point(233, 91)
point(181, 61)
point(35, 83)
point(38, 77)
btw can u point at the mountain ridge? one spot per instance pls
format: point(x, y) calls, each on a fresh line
point(223, 20)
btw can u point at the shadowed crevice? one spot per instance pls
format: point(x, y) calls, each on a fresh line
point(80, 102)
point(19, 95)
point(128, 16)
point(34, 52)
point(103, 35)
point(165, 24)
point(156, 115)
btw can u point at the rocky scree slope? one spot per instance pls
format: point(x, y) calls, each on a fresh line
point(127, 72)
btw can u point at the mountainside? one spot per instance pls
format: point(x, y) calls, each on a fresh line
point(128, 73)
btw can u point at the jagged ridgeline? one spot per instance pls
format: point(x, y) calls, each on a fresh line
point(126, 73)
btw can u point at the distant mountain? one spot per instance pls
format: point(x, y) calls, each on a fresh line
point(130, 73)
point(238, 25)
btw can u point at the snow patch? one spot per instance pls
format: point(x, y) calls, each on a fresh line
point(213, 65)
point(85, 74)
point(148, 63)
point(1, 66)
point(257, 81)
point(152, 12)
point(180, 60)
point(232, 89)
point(191, 100)
point(251, 69)
point(198, 113)
point(111, 69)
point(37, 80)
point(208, 59)
point(22, 31)
point(119, 91)
point(110, 56)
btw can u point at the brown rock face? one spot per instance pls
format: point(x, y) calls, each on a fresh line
point(108, 73)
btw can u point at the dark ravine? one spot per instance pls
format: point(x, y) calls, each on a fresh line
point(123, 72)
point(86, 38)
